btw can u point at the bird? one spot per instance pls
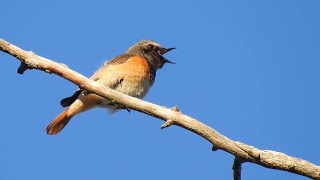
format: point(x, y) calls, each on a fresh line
point(132, 73)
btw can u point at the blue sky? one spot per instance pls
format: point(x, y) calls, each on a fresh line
point(249, 69)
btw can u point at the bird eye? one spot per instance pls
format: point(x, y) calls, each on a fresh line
point(150, 46)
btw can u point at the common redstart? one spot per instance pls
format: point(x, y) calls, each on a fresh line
point(132, 73)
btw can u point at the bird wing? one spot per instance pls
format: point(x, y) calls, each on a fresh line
point(96, 76)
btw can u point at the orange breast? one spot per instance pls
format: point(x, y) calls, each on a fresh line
point(136, 76)
point(136, 68)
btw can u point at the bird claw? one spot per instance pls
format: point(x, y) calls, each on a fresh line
point(118, 106)
point(123, 107)
point(129, 111)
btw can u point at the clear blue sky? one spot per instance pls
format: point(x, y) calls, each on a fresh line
point(249, 69)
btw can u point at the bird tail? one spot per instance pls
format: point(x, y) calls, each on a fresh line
point(59, 123)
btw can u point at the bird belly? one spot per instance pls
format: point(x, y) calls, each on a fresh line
point(131, 87)
point(134, 87)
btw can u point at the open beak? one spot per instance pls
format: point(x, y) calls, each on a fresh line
point(165, 50)
point(167, 61)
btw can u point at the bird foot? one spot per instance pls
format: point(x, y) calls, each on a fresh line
point(119, 106)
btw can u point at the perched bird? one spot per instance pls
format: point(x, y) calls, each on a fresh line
point(132, 73)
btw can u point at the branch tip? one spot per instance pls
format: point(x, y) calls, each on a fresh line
point(168, 123)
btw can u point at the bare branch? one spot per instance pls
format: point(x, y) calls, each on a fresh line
point(237, 166)
point(265, 158)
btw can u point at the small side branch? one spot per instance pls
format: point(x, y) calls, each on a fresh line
point(175, 109)
point(237, 167)
point(22, 68)
point(168, 123)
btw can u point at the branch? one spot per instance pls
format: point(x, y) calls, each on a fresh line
point(243, 152)
point(237, 167)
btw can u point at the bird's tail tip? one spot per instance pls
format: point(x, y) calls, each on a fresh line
point(58, 123)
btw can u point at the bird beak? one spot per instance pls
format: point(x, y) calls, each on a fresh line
point(167, 61)
point(165, 50)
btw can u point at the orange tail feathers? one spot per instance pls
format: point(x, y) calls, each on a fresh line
point(59, 123)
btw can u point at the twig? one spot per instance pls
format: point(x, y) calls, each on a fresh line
point(268, 159)
point(237, 166)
